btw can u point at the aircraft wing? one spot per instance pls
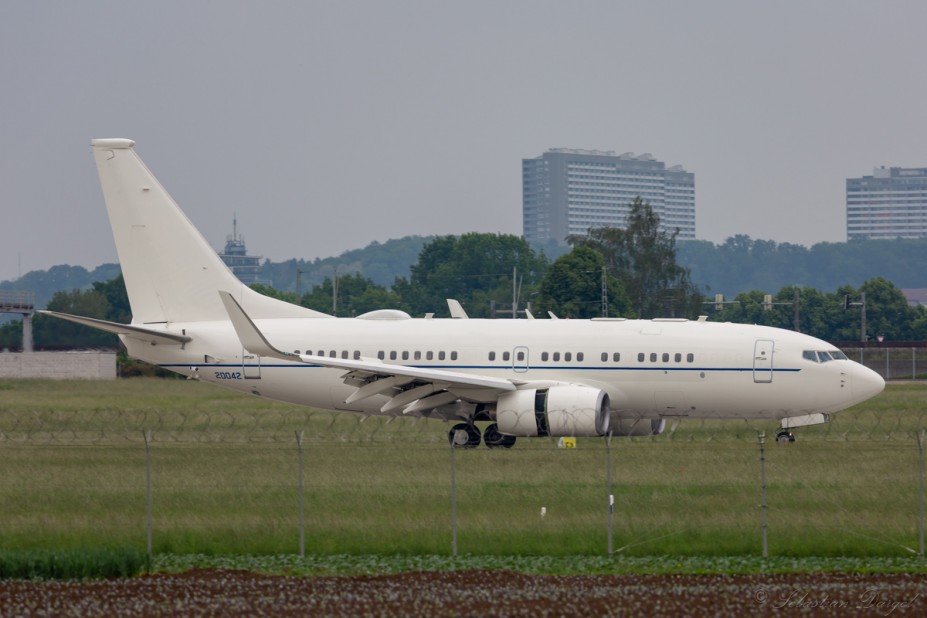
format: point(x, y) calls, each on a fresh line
point(412, 389)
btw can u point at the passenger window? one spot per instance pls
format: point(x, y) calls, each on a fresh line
point(616, 356)
point(356, 354)
point(453, 355)
point(678, 357)
point(405, 355)
point(296, 352)
point(392, 355)
point(640, 357)
point(521, 356)
point(381, 355)
point(492, 356)
point(418, 355)
point(568, 356)
point(544, 356)
point(604, 356)
point(666, 357)
point(579, 356)
point(506, 356)
point(653, 357)
point(344, 354)
point(556, 356)
point(333, 354)
point(429, 355)
point(441, 355)
point(690, 357)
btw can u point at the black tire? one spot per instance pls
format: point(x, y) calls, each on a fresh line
point(469, 438)
point(493, 438)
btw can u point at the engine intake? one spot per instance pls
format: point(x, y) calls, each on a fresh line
point(557, 411)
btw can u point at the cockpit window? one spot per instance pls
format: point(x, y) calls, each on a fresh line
point(823, 356)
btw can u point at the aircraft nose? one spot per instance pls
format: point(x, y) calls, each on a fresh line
point(866, 383)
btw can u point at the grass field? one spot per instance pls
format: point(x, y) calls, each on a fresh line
point(225, 469)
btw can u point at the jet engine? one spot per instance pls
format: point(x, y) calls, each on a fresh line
point(638, 426)
point(561, 410)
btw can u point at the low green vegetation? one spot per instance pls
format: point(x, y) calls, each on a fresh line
point(83, 563)
point(224, 474)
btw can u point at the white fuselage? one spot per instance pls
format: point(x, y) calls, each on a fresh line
point(649, 368)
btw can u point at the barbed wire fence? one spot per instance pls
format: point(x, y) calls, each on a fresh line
point(116, 425)
point(854, 443)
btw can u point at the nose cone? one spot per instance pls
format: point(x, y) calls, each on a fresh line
point(866, 383)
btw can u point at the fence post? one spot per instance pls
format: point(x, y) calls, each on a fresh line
point(147, 434)
point(761, 437)
point(302, 529)
point(454, 495)
point(920, 477)
point(608, 481)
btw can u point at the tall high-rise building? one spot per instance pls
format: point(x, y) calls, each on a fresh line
point(568, 191)
point(892, 203)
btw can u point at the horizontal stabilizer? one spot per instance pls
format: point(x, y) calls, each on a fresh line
point(141, 333)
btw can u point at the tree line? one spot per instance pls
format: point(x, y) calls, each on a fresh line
point(631, 272)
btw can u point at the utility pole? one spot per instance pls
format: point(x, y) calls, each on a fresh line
point(604, 294)
point(862, 313)
point(795, 304)
point(335, 290)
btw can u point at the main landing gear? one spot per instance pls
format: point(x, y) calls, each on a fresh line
point(466, 435)
point(784, 436)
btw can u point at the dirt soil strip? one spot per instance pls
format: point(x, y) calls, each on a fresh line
point(471, 593)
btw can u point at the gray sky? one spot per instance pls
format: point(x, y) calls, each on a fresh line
point(327, 125)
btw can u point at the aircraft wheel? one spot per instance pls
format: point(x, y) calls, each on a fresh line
point(463, 435)
point(492, 438)
point(784, 437)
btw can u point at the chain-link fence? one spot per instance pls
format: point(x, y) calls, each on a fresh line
point(892, 363)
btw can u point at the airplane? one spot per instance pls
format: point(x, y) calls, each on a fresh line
point(527, 377)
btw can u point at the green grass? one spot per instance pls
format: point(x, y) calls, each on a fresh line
point(224, 483)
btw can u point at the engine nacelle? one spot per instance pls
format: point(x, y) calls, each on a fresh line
point(638, 427)
point(557, 411)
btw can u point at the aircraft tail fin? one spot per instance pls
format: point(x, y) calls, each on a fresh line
point(172, 273)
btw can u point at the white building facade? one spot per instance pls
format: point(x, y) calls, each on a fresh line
point(566, 192)
point(892, 203)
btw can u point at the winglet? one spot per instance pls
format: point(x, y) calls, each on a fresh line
point(251, 338)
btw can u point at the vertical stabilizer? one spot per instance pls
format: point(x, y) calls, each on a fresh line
point(172, 274)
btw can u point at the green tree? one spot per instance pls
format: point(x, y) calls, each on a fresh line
point(356, 295)
point(272, 292)
point(117, 299)
point(572, 287)
point(643, 258)
point(475, 269)
point(52, 333)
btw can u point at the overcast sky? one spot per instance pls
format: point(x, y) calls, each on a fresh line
point(327, 125)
